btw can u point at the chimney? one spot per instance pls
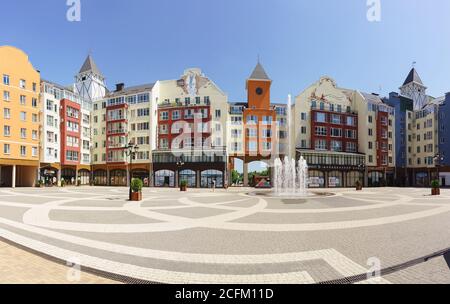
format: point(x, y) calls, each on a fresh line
point(120, 87)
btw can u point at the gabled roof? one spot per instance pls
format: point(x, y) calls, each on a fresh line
point(89, 65)
point(132, 90)
point(413, 76)
point(259, 73)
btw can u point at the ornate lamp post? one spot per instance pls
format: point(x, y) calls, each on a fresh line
point(180, 164)
point(438, 159)
point(131, 152)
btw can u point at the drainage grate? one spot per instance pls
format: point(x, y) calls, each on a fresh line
point(388, 270)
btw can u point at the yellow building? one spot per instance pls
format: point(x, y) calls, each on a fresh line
point(19, 119)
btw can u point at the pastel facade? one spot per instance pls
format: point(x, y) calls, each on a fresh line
point(19, 119)
point(187, 130)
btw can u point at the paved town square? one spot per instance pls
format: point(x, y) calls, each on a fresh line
point(235, 235)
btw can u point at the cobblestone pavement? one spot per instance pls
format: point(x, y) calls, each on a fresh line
point(18, 266)
point(232, 236)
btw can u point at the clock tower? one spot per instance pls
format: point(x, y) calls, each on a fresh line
point(258, 89)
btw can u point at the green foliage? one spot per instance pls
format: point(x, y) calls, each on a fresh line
point(358, 184)
point(435, 184)
point(136, 185)
point(183, 183)
point(235, 177)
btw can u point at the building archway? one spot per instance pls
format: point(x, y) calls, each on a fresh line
point(100, 178)
point(118, 177)
point(68, 175)
point(353, 177)
point(208, 177)
point(376, 179)
point(189, 176)
point(335, 179)
point(165, 178)
point(316, 179)
point(143, 175)
point(84, 176)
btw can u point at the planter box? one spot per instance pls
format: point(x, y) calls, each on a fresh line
point(359, 188)
point(435, 191)
point(136, 196)
point(183, 188)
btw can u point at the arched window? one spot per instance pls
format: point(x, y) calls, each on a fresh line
point(189, 176)
point(316, 179)
point(84, 176)
point(68, 175)
point(335, 179)
point(100, 178)
point(164, 178)
point(118, 177)
point(353, 177)
point(210, 176)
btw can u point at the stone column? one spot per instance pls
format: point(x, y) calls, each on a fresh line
point(245, 167)
point(198, 178)
point(76, 176)
point(58, 178)
point(108, 179)
point(176, 179)
point(13, 176)
point(128, 177)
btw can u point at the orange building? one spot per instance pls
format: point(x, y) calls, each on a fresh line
point(259, 120)
point(19, 119)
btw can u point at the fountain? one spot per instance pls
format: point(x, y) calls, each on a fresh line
point(290, 178)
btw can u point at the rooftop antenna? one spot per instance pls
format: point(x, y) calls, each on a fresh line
point(414, 64)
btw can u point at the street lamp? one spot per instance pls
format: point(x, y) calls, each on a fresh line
point(438, 159)
point(180, 164)
point(131, 152)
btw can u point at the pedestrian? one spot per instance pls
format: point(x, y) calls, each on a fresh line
point(214, 185)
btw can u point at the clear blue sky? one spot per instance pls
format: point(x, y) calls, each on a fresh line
point(139, 41)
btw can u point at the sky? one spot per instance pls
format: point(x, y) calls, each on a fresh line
point(298, 41)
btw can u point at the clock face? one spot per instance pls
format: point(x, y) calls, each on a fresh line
point(259, 91)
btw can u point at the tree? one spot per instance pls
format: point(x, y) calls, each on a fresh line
point(235, 177)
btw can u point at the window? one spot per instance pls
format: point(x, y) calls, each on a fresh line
point(252, 132)
point(143, 112)
point(6, 79)
point(370, 119)
point(72, 155)
point(370, 132)
point(22, 84)
point(23, 151)
point(321, 144)
point(350, 134)
point(6, 96)
point(303, 130)
point(370, 145)
point(351, 147)
point(303, 116)
point(336, 119)
point(34, 87)
point(6, 113)
point(23, 100)
point(34, 118)
point(336, 145)
point(6, 149)
point(34, 103)
point(252, 146)
point(321, 131)
point(34, 151)
point(218, 113)
point(164, 115)
point(252, 119)
point(267, 146)
point(266, 133)
point(351, 121)
point(175, 115)
point(6, 130)
point(321, 117)
point(267, 120)
point(23, 116)
point(34, 135)
point(336, 132)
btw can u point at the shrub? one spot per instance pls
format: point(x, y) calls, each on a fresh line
point(136, 185)
point(63, 182)
point(358, 184)
point(183, 183)
point(435, 184)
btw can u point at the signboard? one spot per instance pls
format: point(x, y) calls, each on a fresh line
point(334, 182)
point(316, 182)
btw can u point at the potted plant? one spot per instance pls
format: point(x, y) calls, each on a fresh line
point(136, 189)
point(435, 188)
point(79, 182)
point(183, 185)
point(63, 182)
point(359, 186)
point(40, 184)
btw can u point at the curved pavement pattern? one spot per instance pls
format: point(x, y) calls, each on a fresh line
point(229, 236)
